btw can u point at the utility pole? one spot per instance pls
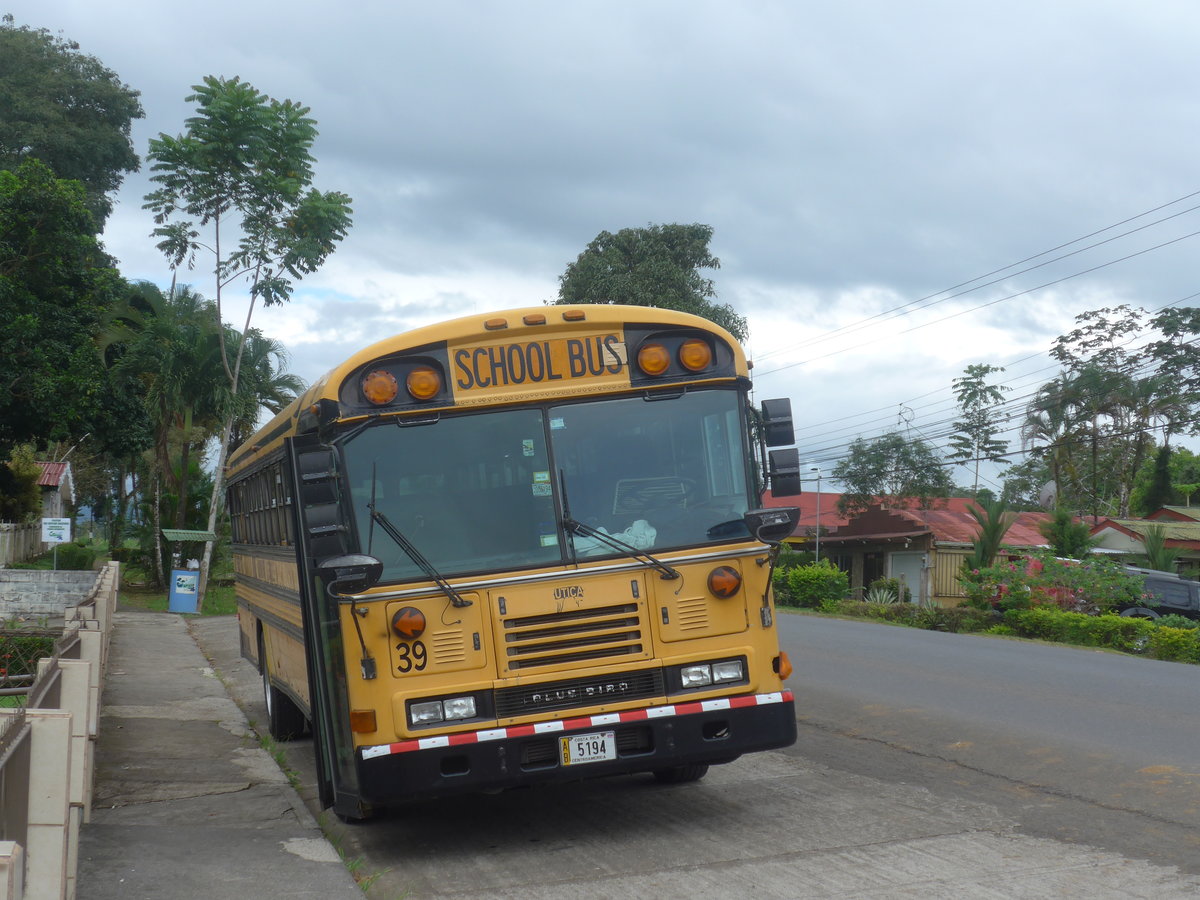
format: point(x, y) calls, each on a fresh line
point(817, 552)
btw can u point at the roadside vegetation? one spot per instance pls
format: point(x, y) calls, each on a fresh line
point(1038, 598)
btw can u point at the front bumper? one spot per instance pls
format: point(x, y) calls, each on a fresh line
point(661, 737)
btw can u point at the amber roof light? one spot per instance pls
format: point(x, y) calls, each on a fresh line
point(380, 387)
point(423, 383)
point(653, 359)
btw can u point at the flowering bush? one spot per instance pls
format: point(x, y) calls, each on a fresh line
point(1087, 586)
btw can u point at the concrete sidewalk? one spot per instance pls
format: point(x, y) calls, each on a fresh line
point(187, 803)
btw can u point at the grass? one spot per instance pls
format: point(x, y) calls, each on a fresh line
point(137, 594)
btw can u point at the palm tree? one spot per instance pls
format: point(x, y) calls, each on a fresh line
point(1158, 554)
point(1048, 431)
point(171, 347)
point(994, 518)
point(264, 382)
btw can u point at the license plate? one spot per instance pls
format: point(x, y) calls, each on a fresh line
point(587, 748)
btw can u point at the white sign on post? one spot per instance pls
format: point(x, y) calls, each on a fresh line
point(56, 531)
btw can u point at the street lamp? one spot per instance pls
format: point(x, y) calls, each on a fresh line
point(817, 553)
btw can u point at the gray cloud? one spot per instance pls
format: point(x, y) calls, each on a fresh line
point(840, 151)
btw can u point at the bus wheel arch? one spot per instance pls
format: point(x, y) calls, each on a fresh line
point(285, 720)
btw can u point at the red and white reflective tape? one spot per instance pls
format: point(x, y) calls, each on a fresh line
point(556, 725)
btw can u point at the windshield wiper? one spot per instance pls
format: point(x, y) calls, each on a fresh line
point(575, 527)
point(456, 599)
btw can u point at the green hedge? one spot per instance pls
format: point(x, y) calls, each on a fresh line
point(1128, 634)
point(933, 618)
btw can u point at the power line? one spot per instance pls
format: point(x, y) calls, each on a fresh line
point(1012, 296)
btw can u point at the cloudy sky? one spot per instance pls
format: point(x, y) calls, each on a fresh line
point(898, 190)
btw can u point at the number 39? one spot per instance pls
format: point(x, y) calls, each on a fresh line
point(411, 656)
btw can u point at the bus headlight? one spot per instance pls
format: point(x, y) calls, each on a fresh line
point(426, 713)
point(459, 708)
point(430, 712)
point(698, 675)
point(730, 670)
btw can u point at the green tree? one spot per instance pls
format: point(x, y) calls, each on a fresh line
point(1158, 491)
point(975, 433)
point(65, 108)
point(20, 496)
point(1068, 537)
point(658, 265)
point(1024, 483)
point(174, 351)
point(1110, 410)
point(893, 470)
point(1178, 353)
point(55, 288)
point(243, 166)
point(265, 383)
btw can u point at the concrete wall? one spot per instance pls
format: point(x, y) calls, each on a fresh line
point(36, 592)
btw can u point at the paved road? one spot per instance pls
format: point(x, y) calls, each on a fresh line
point(1074, 744)
point(798, 823)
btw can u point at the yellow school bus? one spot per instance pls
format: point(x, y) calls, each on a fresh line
point(518, 548)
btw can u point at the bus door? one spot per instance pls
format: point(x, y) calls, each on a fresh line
point(322, 534)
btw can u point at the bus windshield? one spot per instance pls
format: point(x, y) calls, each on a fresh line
point(476, 493)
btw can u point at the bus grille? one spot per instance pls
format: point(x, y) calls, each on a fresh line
point(578, 692)
point(575, 636)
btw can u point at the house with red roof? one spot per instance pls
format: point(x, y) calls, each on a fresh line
point(815, 508)
point(924, 549)
point(1181, 530)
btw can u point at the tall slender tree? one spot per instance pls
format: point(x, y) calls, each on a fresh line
point(975, 437)
point(242, 171)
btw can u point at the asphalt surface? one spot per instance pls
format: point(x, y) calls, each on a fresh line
point(783, 824)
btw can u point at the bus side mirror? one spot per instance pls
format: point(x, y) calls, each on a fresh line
point(774, 525)
point(783, 469)
point(350, 574)
point(777, 423)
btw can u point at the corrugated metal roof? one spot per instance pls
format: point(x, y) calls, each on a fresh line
point(1179, 513)
point(1175, 532)
point(182, 534)
point(52, 473)
point(807, 503)
point(953, 525)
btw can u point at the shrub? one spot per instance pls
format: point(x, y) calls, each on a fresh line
point(19, 653)
point(934, 618)
point(76, 556)
point(1175, 644)
point(1051, 624)
point(819, 586)
point(1174, 620)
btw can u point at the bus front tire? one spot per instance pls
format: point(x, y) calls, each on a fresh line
point(285, 720)
point(681, 774)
